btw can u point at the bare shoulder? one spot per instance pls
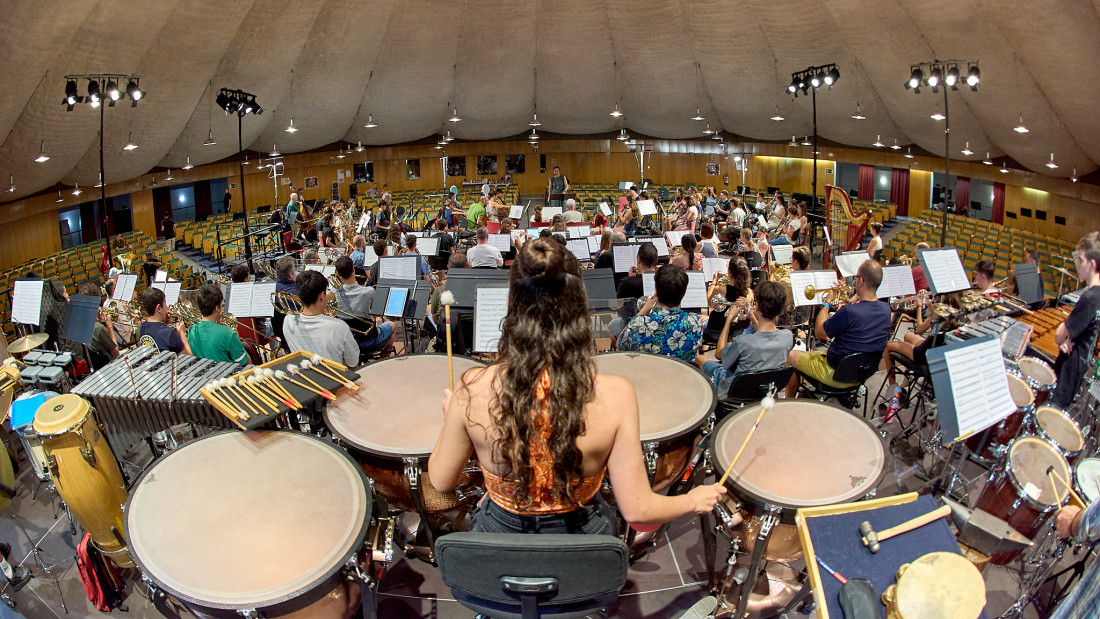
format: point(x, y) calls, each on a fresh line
point(614, 395)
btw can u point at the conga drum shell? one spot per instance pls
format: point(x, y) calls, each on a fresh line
point(86, 475)
point(249, 520)
point(803, 454)
point(939, 585)
point(383, 425)
point(1009, 428)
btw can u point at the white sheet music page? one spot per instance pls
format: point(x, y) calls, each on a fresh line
point(674, 238)
point(369, 257)
point(625, 256)
point(261, 299)
point(428, 246)
point(579, 247)
point(945, 270)
point(240, 299)
point(315, 267)
point(647, 207)
point(124, 287)
point(593, 244)
point(490, 308)
point(362, 223)
point(548, 213)
point(398, 267)
point(979, 386)
point(714, 265)
point(649, 287)
point(172, 292)
point(849, 263)
point(577, 232)
point(515, 211)
point(502, 242)
point(605, 209)
point(26, 302)
point(897, 281)
point(817, 279)
point(696, 294)
point(782, 253)
point(161, 276)
point(659, 244)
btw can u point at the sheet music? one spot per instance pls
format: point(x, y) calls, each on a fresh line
point(398, 267)
point(503, 242)
point(605, 209)
point(428, 246)
point(124, 287)
point(369, 257)
point(240, 299)
point(395, 302)
point(647, 207)
point(649, 288)
point(171, 291)
point(515, 212)
point(782, 253)
point(625, 256)
point(261, 300)
point(593, 244)
point(548, 212)
point(576, 232)
point(675, 238)
point(714, 265)
point(579, 247)
point(490, 308)
point(897, 281)
point(696, 294)
point(26, 301)
point(160, 276)
point(564, 235)
point(817, 279)
point(658, 243)
point(849, 263)
point(944, 270)
point(362, 222)
point(979, 386)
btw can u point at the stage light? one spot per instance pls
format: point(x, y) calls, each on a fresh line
point(915, 79)
point(778, 117)
point(130, 143)
point(616, 112)
point(93, 91)
point(1004, 168)
point(1051, 164)
point(42, 156)
point(171, 178)
point(806, 141)
point(987, 160)
point(622, 137)
point(952, 77)
point(1020, 128)
point(937, 115)
point(359, 147)
point(895, 145)
point(370, 122)
point(188, 166)
point(534, 120)
point(793, 142)
point(442, 140)
point(71, 96)
point(973, 76)
point(222, 101)
point(934, 78)
point(793, 87)
point(533, 138)
point(708, 130)
point(699, 114)
point(77, 190)
point(59, 198)
point(454, 116)
point(274, 152)
point(99, 183)
point(341, 155)
point(11, 186)
point(878, 141)
point(291, 128)
point(908, 153)
point(133, 91)
point(966, 150)
point(1072, 178)
point(449, 138)
point(832, 76)
point(113, 93)
point(816, 79)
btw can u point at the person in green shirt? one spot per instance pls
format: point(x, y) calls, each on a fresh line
point(475, 212)
point(292, 210)
point(207, 338)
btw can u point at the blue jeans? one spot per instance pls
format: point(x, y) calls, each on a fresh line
point(384, 331)
point(780, 241)
point(596, 518)
point(719, 376)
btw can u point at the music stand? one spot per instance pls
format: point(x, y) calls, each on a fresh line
point(1029, 283)
point(560, 197)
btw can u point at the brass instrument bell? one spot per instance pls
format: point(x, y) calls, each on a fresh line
point(812, 292)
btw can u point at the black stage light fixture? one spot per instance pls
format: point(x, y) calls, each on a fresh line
point(71, 96)
point(973, 76)
point(915, 79)
point(223, 101)
point(133, 91)
point(793, 87)
point(93, 91)
point(934, 79)
point(952, 78)
point(113, 93)
point(832, 76)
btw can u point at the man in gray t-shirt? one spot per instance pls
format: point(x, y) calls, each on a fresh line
point(483, 254)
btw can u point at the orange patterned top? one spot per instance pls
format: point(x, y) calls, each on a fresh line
point(544, 500)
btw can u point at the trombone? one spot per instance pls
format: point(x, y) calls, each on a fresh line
point(840, 289)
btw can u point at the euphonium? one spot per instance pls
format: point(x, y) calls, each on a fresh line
point(782, 271)
point(842, 289)
point(723, 280)
point(335, 281)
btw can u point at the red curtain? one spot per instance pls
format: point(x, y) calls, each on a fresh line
point(866, 187)
point(962, 194)
point(998, 203)
point(899, 190)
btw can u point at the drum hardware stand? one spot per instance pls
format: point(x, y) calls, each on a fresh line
point(1045, 557)
point(767, 523)
point(37, 553)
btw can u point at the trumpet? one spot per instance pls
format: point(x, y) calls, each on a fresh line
point(840, 289)
point(905, 259)
point(910, 301)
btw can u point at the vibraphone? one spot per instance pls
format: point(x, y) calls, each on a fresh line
point(144, 391)
point(1044, 323)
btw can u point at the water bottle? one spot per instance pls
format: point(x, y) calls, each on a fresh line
point(895, 404)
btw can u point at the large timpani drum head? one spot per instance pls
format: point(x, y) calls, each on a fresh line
point(674, 397)
point(1087, 476)
point(385, 419)
point(60, 414)
point(243, 520)
point(1057, 426)
point(1029, 457)
point(939, 585)
point(803, 454)
point(1038, 371)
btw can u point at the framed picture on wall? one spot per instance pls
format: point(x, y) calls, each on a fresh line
point(515, 164)
point(412, 169)
point(712, 169)
point(311, 182)
point(456, 166)
point(364, 172)
point(487, 164)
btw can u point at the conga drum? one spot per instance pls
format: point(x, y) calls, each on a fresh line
point(1039, 376)
point(939, 585)
point(1004, 432)
point(674, 399)
point(84, 471)
point(265, 521)
point(392, 431)
point(1056, 426)
point(1021, 493)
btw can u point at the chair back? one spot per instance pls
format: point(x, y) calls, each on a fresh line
point(515, 576)
point(752, 386)
point(493, 227)
point(857, 367)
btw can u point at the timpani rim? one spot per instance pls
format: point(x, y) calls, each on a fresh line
point(1009, 470)
point(1059, 412)
point(1041, 364)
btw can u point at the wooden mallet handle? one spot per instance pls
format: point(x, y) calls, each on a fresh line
point(915, 523)
point(729, 469)
point(450, 358)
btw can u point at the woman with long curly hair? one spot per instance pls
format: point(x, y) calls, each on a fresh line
point(545, 427)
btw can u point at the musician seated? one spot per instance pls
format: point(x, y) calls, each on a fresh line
point(789, 230)
point(1076, 336)
point(862, 325)
point(920, 281)
point(600, 222)
point(315, 331)
point(688, 216)
point(571, 214)
point(293, 209)
point(104, 346)
point(476, 211)
point(914, 345)
point(1084, 526)
point(557, 223)
point(410, 250)
point(381, 249)
point(356, 300)
point(749, 250)
point(983, 277)
point(761, 203)
point(766, 348)
point(358, 255)
point(150, 267)
point(208, 338)
point(631, 289)
point(542, 400)
point(708, 246)
point(690, 259)
point(660, 326)
point(285, 273)
point(154, 331)
point(483, 254)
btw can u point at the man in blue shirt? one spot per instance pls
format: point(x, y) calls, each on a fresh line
point(1071, 521)
point(154, 331)
point(359, 254)
point(861, 325)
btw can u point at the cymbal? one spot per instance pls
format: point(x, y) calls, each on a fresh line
point(28, 342)
point(1066, 273)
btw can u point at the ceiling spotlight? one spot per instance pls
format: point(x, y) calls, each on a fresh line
point(291, 128)
point(859, 113)
point(442, 141)
point(973, 76)
point(209, 139)
point(454, 116)
point(966, 150)
point(42, 156)
point(1020, 128)
point(71, 97)
point(222, 101)
point(806, 141)
point(113, 93)
point(952, 77)
point(77, 190)
point(987, 160)
point(93, 91)
point(370, 122)
point(359, 147)
point(708, 130)
point(793, 87)
point(59, 198)
point(778, 117)
point(817, 79)
point(937, 115)
point(169, 177)
point(439, 147)
point(793, 142)
point(699, 114)
point(274, 152)
point(616, 112)
point(188, 166)
point(622, 137)
point(878, 141)
point(130, 143)
point(534, 120)
point(11, 186)
point(1072, 178)
point(832, 76)
point(100, 182)
point(908, 153)
point(934, 78)
point(1051, 164)
point(737, 157)
point(915, 79)
point(895, 145)
point(133, 91)
point(250, 106)
point(341, 155)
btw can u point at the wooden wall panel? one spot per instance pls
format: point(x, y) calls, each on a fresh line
point(920, 192)
point(141, 209)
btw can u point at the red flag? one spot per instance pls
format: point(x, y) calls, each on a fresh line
point(104, 262)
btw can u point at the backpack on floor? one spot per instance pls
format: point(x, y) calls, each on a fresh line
point(101, 581)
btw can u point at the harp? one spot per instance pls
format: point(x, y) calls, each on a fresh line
point(839, 212)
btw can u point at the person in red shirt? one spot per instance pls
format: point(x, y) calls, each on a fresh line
point(919, 280)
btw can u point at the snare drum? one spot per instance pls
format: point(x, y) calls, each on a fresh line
point(1086, 479)
point(392, 431)
point(84, 470)
point(240, 521)
point(1039, 376)
point(1007, 495)
point(674, 399)
point(939, 585)
point(1004, 432)
point(1053, 424)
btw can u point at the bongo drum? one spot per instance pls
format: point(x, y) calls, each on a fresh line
point(1039, 376)
point(939, 585)
point(1021, 493)
point(1004, 432)
point(1056, 426)
point(391, 431)
point(674, 399)
point(264, 521)
point(84, 470)
point(1086, 479)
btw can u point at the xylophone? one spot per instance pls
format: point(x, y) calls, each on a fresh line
point(1044, 323)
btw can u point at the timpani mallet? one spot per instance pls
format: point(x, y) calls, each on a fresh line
point(258, 383)
point(218, 384)
point(281, 375)
point(231, 385)
point(1065, 484)
point(218, 399)
point(448, 299)
point(296, 371)
point(261, 397)
point(318, 365)
point(765, 404)
point(272, 382)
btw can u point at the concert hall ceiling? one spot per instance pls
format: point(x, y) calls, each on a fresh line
point(330, 63)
